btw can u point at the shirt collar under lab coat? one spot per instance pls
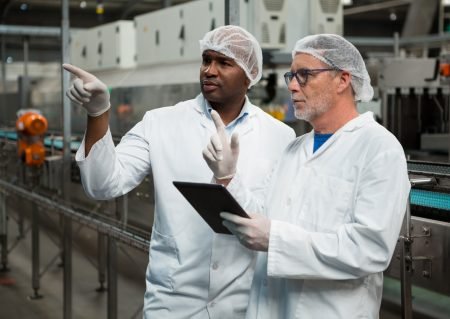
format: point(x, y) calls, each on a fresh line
point(205, 108)
point(350, 126)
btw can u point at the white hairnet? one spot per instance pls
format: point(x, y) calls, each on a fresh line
point(337, 52)
point(238, 44)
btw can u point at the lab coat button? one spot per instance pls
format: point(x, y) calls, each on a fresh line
point(215, 266)
point(212, 304)
point(289, 202)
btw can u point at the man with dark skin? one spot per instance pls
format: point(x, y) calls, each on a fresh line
point(193, 272)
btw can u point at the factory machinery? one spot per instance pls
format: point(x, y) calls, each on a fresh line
point(412, 97)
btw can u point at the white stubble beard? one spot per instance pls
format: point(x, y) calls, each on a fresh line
point(312, 110)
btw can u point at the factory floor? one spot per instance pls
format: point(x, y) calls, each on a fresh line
point(16, 284)
point(16, 287)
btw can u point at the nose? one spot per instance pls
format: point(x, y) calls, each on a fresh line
point(293, 85)
point(211, 69)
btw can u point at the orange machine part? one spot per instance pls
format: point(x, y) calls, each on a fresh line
point(445, 69)
point(32, 124)
point(32, 154)
point(31, 127)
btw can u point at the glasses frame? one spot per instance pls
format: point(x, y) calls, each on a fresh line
point(288, 76)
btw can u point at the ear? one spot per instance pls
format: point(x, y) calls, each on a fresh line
point(344, 82)
point(247, 82)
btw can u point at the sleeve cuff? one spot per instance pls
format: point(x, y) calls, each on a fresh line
point(105, 141)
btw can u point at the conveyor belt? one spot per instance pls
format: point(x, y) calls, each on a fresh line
point(429, 168)
point(101, 223)
point(57, 143)
point(430, 199)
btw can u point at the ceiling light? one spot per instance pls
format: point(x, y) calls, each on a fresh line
point(392, 16)
point(24, 7)
point(9, 60)
point(83, 4)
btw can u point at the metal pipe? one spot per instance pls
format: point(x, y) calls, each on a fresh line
point(232, 12)
point(67, 223)
point(423, 181)
point(35, 260)
point(112, 278)
point(384, 109)
point(405, 278)
point(3, 233)
point(101, 260)
point(441, 112)
point(18, 30)
point(406, 259)
point(3, 56)
point(441, 17)
point(419, 113)
point(25, 80)
point(396, 45)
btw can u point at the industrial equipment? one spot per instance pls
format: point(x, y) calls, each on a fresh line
point(31, 127)
point(415, 104)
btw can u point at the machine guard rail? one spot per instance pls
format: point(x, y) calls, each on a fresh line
point(93, 221)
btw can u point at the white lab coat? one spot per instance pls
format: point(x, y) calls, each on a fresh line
point(336, 216)
point(193, 272)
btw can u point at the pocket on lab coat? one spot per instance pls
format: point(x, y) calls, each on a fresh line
point(163, 259)
point(258, 175)
point(331, 298)
point(326, 203)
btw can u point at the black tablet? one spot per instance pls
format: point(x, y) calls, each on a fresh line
point(209, 200)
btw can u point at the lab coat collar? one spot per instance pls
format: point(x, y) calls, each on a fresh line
point(353, 125)
point(357, 122)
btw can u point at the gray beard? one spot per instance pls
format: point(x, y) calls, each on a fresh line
point(310, 113)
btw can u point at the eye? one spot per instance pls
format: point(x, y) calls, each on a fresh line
point(226, 62)
point(302, 72)
point(206, 60)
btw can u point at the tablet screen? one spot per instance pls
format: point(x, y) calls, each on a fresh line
point(209, 200)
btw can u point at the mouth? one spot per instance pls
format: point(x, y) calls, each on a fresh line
point(297, 100)
point(209, 85)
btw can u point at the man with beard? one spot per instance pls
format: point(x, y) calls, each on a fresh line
point(334, 206)
point(193, 272)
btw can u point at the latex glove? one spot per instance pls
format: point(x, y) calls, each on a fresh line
point(253, 232)
point(88, 91)
point(221, 155)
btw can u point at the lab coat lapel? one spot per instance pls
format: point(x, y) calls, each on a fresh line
point(352, 125)
point(204, 121)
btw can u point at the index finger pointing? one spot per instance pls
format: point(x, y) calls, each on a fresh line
point(83, 75)
point(217, 121)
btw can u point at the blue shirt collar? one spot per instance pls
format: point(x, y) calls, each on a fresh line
point(245, 111)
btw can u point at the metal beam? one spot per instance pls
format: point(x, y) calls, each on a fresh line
point(29, 31)
point(232, 12)
point(375, 7)
point(97, 221)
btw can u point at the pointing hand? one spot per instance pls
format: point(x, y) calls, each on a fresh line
point(88, 91)
point(221, 155)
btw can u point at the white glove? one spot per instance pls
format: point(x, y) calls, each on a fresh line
point(221, 155)
point(253, 232)
point(88, 91)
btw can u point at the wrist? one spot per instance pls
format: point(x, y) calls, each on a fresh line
point(223, 180)
point(99, 112)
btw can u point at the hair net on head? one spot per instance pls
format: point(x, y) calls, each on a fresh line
point(238, 44)
point(337, 52)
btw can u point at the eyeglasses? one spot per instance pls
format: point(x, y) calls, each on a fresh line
point(302, 75)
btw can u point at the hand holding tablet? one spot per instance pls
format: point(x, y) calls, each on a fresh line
point(209, 200)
